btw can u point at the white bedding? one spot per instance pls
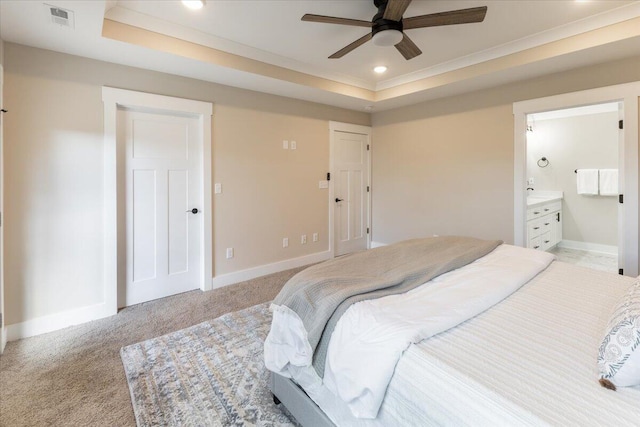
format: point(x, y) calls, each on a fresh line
point(530, 360)
point(371, 336)
point(386, 326)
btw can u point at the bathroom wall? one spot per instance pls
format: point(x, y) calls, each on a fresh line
point(578, 142)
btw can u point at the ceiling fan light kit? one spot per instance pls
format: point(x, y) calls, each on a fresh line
point(193, 4)
point(388, 25)
point(387, 38)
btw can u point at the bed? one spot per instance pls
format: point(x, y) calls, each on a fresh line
point(529, 359)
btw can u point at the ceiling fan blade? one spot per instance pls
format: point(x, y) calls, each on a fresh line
point(342, 52)
point(335, 20)
point(408, 48)
point(461, 16)
point(395, 9)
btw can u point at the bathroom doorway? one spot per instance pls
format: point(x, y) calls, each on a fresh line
point(627, 95)
point(572, 170)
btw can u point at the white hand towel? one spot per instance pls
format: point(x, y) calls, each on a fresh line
point(587, 181)
point(608, 182)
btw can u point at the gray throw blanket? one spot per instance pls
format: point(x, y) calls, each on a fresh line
point(322, 293)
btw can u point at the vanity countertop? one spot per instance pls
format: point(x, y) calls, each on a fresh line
point(536, 198)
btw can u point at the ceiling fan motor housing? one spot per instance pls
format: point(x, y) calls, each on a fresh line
point(381, 24)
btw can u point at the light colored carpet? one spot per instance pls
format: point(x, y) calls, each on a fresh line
point(211, 374)
point(75, 377)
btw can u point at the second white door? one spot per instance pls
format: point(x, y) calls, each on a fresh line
point(163, 211)
point(351, 175)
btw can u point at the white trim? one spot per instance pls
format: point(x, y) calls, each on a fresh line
point(3, 313)
point(156, 25)
point(262, 270)
point(376, 245)
point(626, 93)
point(359, 129)
point(113, 199)
point(589, 247)
point(591, 23)
point(53, 322)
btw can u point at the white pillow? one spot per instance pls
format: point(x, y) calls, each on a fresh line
point(619, 355)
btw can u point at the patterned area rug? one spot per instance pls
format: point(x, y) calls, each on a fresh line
point(211, 374)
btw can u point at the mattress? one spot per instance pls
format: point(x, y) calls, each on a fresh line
point(529, 360)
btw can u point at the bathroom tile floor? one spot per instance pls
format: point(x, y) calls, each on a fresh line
point(595, 260)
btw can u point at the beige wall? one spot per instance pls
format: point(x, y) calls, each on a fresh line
point(54, 162)
point(442, 167)
point(446, 166)
point(570, 143)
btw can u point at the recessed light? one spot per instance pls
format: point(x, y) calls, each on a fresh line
point(193, 4)
point(380, 69)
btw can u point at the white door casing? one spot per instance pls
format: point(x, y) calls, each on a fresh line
point(3, 332)
point(116, 100)
point(163, 167)
point(621, 213)
point(628, 95)
point(350, 195)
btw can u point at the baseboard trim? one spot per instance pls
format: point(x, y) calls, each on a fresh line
point(263, 270)
point(590, 247)
point(3, 339)
point(54, 322)
point(377, 244)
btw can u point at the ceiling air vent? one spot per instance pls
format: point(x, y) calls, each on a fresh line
point(59, 16)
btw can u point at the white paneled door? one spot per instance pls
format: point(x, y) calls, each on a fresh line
point(351, 175)
point(163, 211)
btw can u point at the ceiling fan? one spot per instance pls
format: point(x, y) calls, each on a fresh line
point(387, 25)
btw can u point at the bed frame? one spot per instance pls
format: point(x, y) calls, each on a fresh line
point(289, 394)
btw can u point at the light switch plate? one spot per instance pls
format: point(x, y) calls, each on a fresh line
point(285, 242)
point(229, 253)
point(323, 184)
point(217, 188)
point(285, 144)
point(293, 145)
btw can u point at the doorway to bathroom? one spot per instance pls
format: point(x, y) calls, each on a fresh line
point(572, 172)
point(626, 97)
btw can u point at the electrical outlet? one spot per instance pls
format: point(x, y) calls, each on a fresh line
point(229, 253)
point(303, 239)
point(293, 145)
point(285, 144)
point(285, 242)
point(315, 237)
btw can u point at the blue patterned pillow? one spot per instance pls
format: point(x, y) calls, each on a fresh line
point(619, 355)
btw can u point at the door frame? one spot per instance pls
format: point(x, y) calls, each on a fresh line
point(114, 184)
point(3, 314)
point(628, 94)
point(350, 128)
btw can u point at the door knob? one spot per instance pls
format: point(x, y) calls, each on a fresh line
point(193, 211)
point(338, 200)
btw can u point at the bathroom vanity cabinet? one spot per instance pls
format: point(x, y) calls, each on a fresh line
point(544, 224)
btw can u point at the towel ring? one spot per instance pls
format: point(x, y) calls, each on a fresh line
point(543, 162)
